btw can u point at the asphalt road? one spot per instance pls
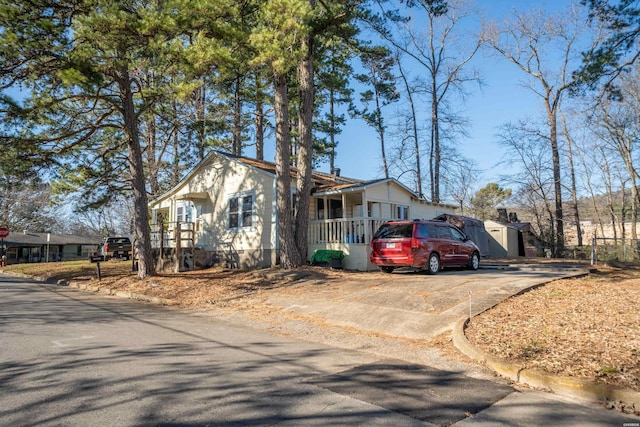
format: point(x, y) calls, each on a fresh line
point(73, 359)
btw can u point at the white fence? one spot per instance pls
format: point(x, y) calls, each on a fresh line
point(343, 230)
point(166, 238)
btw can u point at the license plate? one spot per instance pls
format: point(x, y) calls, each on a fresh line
point(391, 245)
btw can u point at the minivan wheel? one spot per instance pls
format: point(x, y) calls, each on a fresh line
point(387, 269)
point(474, 262)
point(433, 265)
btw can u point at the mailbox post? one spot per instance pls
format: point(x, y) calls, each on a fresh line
point(97, 259)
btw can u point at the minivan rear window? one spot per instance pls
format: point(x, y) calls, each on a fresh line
point(394, 231)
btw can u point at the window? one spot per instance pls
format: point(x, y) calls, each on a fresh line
point(184, 212)
point(402, 212)
point(443, 232)
point(320, 208)
point(457, 235)
point(240, 210)
point(422, 231)
point(394, 231)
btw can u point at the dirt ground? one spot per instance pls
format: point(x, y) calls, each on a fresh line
point(587, 328)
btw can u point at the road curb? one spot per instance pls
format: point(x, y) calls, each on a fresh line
point(565, 386)
point(118, 294)
point(95, 289)
point(26, 276)
point(536, 267)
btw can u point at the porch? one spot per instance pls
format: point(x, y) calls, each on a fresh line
point(175, 243)
point(349, 235)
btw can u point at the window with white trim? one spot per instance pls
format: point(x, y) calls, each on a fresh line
point(240, 211)
point(184, 212)
point(402, 212)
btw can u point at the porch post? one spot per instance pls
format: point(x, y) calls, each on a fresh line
point(365, 214)
point(344, 206)
point(347, 228)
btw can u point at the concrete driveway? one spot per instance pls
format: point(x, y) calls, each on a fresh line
point(408, 304)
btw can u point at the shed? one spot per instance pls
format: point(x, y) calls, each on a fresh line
point(505, 240)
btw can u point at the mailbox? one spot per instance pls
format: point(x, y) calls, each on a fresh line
point(96, 258)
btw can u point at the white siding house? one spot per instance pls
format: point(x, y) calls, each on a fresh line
point(224, 211)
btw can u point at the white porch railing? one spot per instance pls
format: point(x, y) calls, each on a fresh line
point(166, 238)
point(343, 230)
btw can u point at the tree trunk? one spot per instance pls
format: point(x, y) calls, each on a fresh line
point(592, 197)
point(259, 118)
point(380, 129)
point(634, 195)
point(287, 246)
point(606, 171)
point(175, 166)
point(414, 121)
point(305, 153)
point(200, 111)
point(435, 145)
point(142, 241)
point(154, 185)
point(237, 117)
point(332, 126)
point(574, 191)
point(623, 207)
point(558, 247)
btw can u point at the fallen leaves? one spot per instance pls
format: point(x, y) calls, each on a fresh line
point(588, 328)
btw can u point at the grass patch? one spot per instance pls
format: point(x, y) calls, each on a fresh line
point(609, 370)
point(70, 269)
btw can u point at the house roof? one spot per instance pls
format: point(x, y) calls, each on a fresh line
point(321, 180)
point(39, 239)
point(324, 183)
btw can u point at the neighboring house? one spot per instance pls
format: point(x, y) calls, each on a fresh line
point(23, 247)
point(224, 211)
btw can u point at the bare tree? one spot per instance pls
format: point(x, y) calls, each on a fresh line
point(547, 49)
point(381, 91)
point(572, 174)
point(587, 162)
point(606, 172)
point(534, 181)
point(433, 39)
point(412, 121)
point(616, 124)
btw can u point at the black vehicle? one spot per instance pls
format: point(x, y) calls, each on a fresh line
point(117, 247)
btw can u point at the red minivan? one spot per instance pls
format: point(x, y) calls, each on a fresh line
point(429, 245)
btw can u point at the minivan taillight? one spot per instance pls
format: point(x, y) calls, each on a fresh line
point(415, 244)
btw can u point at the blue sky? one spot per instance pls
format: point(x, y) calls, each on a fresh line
point(502, 99)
